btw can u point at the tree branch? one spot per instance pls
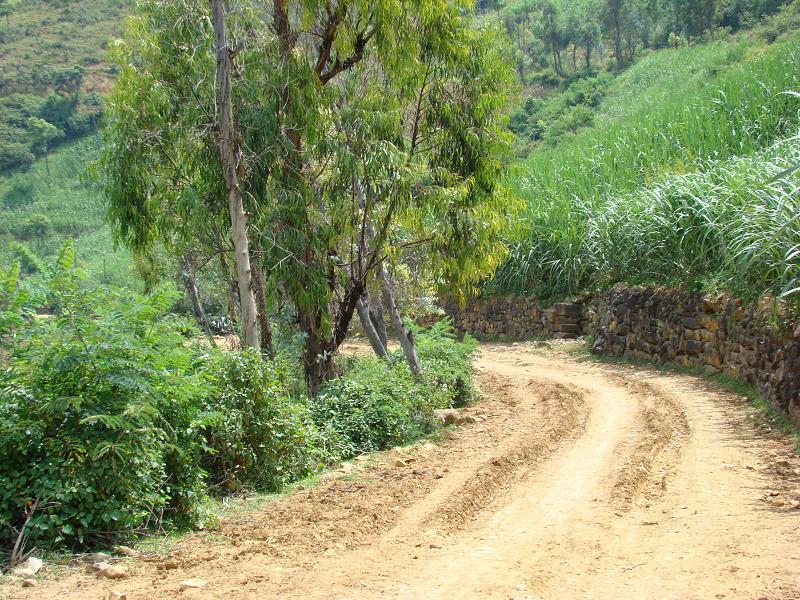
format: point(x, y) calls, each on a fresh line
point(362, 39)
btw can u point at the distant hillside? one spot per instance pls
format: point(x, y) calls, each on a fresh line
point(53, 72)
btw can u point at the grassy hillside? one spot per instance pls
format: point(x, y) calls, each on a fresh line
point(676, 114)
point(41, 211)
point(53, 73)
point(53, 70)
point(42, 36)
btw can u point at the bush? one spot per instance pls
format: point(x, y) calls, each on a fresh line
point(257, 436)
point(97, 425)
point(569, 121)
point(372, 407)
point(448, 362)
point(375, 406)
point(21, 193)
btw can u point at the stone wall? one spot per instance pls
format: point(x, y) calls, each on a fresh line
point(744, 342)
point(519, 318)
point(658, 324)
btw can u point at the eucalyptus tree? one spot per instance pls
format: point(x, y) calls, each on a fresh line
point(168, 133)
point(367, 127)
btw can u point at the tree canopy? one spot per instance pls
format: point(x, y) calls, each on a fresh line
point(367, 129)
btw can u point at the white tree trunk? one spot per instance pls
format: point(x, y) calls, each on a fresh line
point(406, 337)
point(372, 334)
point(230, 156)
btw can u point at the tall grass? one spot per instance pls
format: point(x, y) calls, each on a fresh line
point(640, 197)
point(732, 227)
point(744, 112)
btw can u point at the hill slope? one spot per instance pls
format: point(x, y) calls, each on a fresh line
point(53, 73)
point(674, 113)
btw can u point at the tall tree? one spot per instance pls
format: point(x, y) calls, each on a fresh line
point(406, 98)
point(233, 166)
point(43, 133)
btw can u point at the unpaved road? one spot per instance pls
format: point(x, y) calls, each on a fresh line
point(578, 480)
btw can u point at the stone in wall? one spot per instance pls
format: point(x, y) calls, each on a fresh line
point(748, 343)
point(517, 317)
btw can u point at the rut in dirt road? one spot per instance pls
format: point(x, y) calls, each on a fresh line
point(577, 480)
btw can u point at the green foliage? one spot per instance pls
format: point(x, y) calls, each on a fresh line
point(12, 304)
point(447, 362)
point(20, 193)
point(786, 22)
point(741, 111)
point(374, 406)
point(411, 154)
point(561, 112)
point(97, 420)
point(553, 37)
point(69, 207)
point(258, 436)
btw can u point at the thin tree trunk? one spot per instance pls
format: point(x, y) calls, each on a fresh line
point(187, 273)
point(378, 317)
point(406, 337)
point(230, 155)
point(263, 315)
point(318, 363)
point(369, 330)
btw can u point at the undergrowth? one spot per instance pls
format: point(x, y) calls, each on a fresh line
point(116, 421)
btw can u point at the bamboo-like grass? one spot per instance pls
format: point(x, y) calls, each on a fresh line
point(676, 192)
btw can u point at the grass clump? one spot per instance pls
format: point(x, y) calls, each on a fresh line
point(733, 226)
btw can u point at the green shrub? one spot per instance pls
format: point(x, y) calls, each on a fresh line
point(258, 437)
point(97, 419)
point(448, 362)
point(20, 193)
point(374, 406)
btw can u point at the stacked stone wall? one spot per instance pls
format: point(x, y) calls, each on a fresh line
point(518, 318)
point(752, 343)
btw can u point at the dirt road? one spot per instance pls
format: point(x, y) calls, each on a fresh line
point(576, 480)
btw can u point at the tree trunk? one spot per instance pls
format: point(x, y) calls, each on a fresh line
point(406, 337)
point(369, 329)
point(710, 10)
point(318, 364)
point(588, 53)
point(378, 319)
point(618, 46)
point(263, 316)
point(230, 155)
point(187, 273)
point(574, 57)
